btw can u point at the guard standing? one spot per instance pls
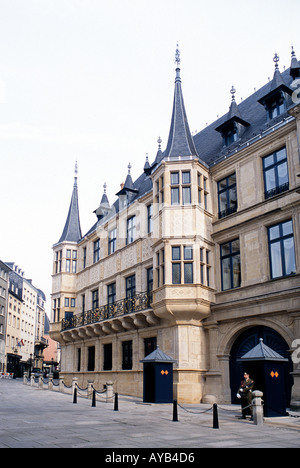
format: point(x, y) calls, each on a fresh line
point(245, 395)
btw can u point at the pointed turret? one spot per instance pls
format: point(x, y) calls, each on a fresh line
point(72, 229)
point(277, 87)
point(232, 119)
point(180, 142)
point(128, 187)
point(104, 207)
point(295, 66)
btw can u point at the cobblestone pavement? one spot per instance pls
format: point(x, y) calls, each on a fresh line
point(36, 418)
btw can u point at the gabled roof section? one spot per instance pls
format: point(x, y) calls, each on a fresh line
point(72, 229)
point(180, 142)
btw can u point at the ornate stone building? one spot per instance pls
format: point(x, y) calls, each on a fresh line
point(200, 255)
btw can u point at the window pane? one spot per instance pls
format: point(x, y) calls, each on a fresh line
point(174, 178)
point(235, 246)
point(175, 196)
point(269, 161)
point(186, 195)
point(223, 201)
point(188, 253)
point(232, 197)
point(188, 273)
point(287, 228)
point(186, 177)
point(276, 262)
point(270, 179)
point(289, 256)
point(236, 267)
point(176, 273)
point(274, 232)
point(283, 176)
point(225, 250)
point(232, 179)
point(281, 154)
point(226, 276)
point(175, 253)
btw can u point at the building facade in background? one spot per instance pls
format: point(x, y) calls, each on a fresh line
point(4, 282)
point(25, 321)
point(200, 255)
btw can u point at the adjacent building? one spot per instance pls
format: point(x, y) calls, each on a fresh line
point(200, 255)
point(4, 278)
point(25, 323)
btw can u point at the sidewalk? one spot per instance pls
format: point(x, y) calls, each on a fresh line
point(30, 417)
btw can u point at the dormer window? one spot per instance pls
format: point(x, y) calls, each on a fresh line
point(233, 125)
point(277, 107)
point(231, 135)
point(275, 99)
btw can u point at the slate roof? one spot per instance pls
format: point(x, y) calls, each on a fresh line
point(158, 356)
point(262, 352)
point(72, 229)
point(208, 144)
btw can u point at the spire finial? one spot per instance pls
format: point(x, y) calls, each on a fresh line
point(129, 168)
point(276, 60)
point(75, 173)
point(159, 141)
point(105, 187)
point(232, 92)
point(293, 52)
point(177, 56)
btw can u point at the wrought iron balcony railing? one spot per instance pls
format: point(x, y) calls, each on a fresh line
point(137, 303)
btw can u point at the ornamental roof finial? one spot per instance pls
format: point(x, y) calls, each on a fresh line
point(177, 56)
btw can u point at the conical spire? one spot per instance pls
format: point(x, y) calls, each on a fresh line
point(295, 66)
point(104, 207)
point(72, 229)
point(180, 142)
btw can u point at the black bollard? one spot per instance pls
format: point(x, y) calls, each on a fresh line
point(175, 412)
point(116, 407)
point(75, 396)
point(215, 417)
point(94, 399)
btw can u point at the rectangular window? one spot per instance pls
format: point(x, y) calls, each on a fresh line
point(112, 241)
point(127, 355)
point(84, 257)
point(149, 218)
point(78, 359)
point(96, 257)
point(107, 353)
point(111, 293)
point(130, 286)
point(227, 196)
point(276, 176)
point(230, 265)
point(95, 299)
point(91, 359)
point(282, 250)
point(149, 279)
point(131, 230)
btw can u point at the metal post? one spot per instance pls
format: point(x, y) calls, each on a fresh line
point(75, 395)
point(94, 399)
point(116, 407)
point(175, 412)
point(215, 416)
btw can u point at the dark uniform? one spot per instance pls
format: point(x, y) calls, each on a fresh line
point(245, 392)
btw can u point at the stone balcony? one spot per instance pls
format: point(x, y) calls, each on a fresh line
point(121, 316)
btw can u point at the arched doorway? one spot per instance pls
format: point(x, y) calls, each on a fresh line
point(244, 343)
